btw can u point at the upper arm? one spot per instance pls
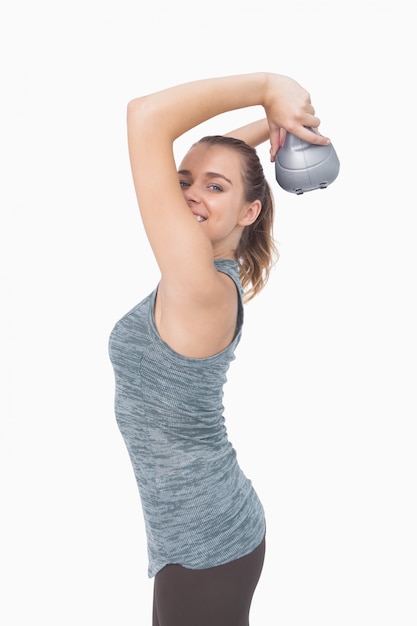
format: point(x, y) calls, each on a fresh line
point(181, 248)
point(196, 306)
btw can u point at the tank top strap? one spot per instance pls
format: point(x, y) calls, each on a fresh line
point(231, 268)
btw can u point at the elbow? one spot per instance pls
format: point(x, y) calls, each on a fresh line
point(147, 117)
point(140, 113)
point(135, 106)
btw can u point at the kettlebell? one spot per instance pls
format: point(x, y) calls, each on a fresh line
point(301, 166)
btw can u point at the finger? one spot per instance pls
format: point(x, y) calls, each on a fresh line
point(310, 120)
point(311, 135)
point(275, 138)
point(282, 133)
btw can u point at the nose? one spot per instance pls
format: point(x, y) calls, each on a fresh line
point(191, 195)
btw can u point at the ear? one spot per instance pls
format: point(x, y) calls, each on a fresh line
point(250, 213)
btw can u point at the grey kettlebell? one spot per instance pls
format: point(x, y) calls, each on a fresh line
point(302, 166)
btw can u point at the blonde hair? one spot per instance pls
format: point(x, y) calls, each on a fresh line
point(256, 252)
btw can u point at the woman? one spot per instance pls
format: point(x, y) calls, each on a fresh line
point(209, 224)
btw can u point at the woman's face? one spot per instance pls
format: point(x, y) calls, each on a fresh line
point(211, 180)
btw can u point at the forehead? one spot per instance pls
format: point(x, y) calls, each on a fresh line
point(203, 157)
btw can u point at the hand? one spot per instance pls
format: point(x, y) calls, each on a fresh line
point(288, 109)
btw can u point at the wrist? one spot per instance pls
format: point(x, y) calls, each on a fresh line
point(274, 84)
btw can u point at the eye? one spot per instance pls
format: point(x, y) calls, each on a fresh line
point(184, 184)
point(215, 187)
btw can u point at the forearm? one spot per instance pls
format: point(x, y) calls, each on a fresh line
point(253, 134)
point(160, 118)
point(176, 110)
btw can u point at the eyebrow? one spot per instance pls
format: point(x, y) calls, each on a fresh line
point(208, 174)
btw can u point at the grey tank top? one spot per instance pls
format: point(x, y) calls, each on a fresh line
point(200, 510)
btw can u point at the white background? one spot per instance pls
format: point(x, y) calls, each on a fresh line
point(321, 402)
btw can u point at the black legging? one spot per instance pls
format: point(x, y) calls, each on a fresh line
point(218, 596)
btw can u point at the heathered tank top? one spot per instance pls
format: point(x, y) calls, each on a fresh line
point(200, 510)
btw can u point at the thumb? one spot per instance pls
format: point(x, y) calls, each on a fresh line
point(277, 139)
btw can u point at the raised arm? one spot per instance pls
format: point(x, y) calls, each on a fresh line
point(194, 300)
point(156, 120)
